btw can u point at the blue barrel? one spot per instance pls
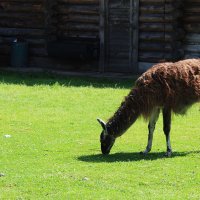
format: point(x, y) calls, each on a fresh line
point(19, 54)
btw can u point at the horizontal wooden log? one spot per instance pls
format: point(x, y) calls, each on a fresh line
point(16, 23)
point(195, 9)
point(154, 56)
point(78, 9)
point(192, 48)
point(150, 46)
point(78, 27)
point(191, 18)
point(22, 16)
point(21, 7)
point(24, 1)
point(34, 33)
point(192, 28)
point(156, 9)
point(175, 3)
point(78, 2)
point(79, 19)
point(36, 42)
point(191, 55)
point(81, 34)
point(158, 18)
point(158, 27)
point(160, 36)
point(192, 38)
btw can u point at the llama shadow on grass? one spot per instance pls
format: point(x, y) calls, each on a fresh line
point(131, 157)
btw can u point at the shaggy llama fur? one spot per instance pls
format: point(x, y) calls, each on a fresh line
point(174, 87)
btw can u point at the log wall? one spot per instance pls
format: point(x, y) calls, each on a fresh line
point(78, 18)
point(119, 35)
point(22, 19)
point(41, 21)
point(191, 21)
point(160, 32)
point(168, 29)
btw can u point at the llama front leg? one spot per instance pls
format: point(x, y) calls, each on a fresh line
point(166, 129)
point(151, 128)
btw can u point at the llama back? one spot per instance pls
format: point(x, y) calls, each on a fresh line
point(173, 85)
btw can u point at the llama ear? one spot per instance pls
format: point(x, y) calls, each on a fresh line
point(103, 124)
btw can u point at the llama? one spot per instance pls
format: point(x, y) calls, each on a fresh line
point(172, 87)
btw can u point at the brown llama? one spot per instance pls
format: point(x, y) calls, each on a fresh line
point(172, 87)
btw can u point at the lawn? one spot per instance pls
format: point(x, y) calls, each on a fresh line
point(50, 147)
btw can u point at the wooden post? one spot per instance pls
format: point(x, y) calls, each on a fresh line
point(50, 28)
point(102, 37)
point(134, 20)
point(177, 32)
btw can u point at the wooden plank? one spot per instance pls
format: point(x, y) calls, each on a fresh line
point(135, 38)
point(29, 22)
point(116, 4)
point(156, 27)
point(153, 46)
point(155, 9)
point(50, 26)
point(102, 36)
point(65, 9)
point(16, 7)
point(120, 35)
point(191, 19)
point(192, 38)
point(80, 34)
point(78, 2)
point(36, 33)
point(80, 18)
point(195, 48)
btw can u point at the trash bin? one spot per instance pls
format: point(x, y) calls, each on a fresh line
point(19, 53)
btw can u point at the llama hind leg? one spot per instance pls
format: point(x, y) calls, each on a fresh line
point(166, 129)
point(151, 128)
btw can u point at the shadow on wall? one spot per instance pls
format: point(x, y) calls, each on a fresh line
point(131, 157)
point(31, 79)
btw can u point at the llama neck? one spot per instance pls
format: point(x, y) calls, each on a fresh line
point(124, 117)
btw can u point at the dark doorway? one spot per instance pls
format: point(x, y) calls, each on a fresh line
point(119, 35)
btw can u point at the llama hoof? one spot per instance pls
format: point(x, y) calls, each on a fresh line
point(143, 153)
point(168, 154)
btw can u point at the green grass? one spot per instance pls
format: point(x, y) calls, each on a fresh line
point(54, 150)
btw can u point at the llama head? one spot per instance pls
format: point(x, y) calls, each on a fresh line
point(106, 140)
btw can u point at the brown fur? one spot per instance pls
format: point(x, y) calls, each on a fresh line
point(172, 85)
point(175, 86)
